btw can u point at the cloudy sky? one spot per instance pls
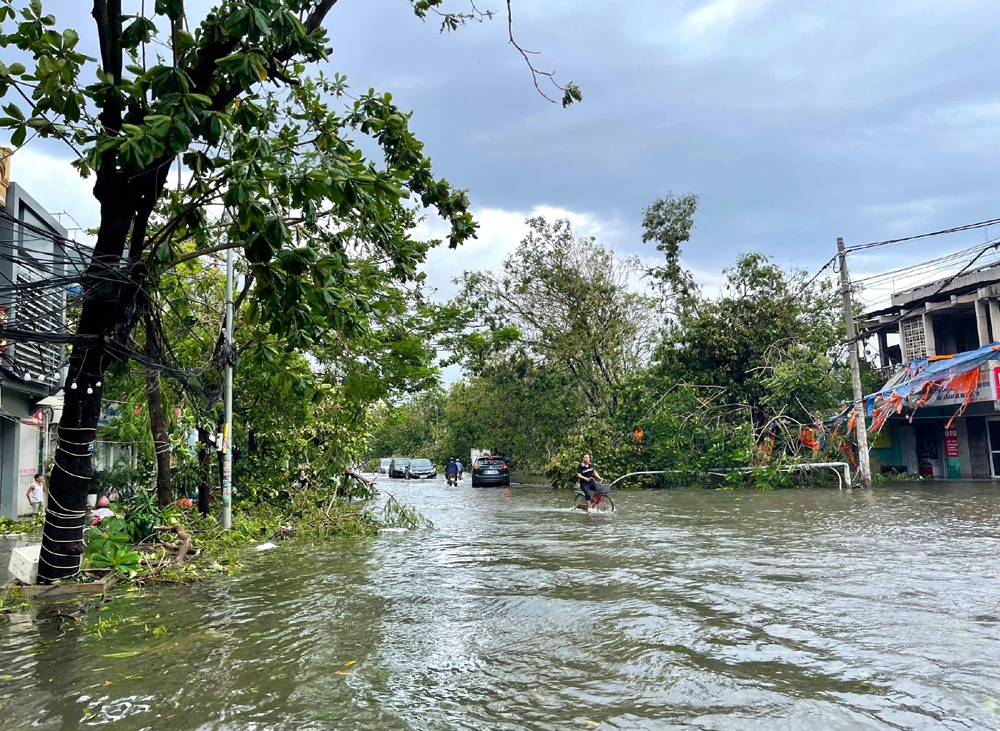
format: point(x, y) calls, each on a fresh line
point(796, 121)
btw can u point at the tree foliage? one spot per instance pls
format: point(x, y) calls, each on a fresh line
point(770, 340)
point(571, 350)
point(324, 232)
point(562, 303)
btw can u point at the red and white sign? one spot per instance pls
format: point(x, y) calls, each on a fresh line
point(951, 442)
point(996, 381)
point(37, 419)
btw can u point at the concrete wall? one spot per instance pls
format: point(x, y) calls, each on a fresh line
point(27, 465)
point(10, 450)
point(886, 450)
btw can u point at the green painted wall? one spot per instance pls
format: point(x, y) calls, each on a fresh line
point(885, 447)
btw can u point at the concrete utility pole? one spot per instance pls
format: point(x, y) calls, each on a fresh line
point(227, 427)
point(864, 464)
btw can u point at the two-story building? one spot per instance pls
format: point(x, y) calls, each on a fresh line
point(30, 372)
point(949, 316)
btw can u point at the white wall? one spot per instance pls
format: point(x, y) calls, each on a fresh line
point(27, 466)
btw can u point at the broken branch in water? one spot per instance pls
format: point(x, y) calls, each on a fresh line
point(185, 540)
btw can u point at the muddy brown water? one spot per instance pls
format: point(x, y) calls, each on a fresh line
point(807, 609)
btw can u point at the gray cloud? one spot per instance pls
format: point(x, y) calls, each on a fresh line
point(796, 120)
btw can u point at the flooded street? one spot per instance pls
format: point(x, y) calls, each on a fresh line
point(811, 609)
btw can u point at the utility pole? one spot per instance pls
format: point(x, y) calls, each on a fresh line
point(227, 428)
point(864, 465)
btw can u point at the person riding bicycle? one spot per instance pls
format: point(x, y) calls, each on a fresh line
point(586, 473)
point(451, 471)
point(461, 468)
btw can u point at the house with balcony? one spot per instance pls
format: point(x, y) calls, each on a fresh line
point(31, 255)
point(942, 318)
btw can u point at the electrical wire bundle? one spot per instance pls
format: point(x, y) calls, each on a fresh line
point(47, 280)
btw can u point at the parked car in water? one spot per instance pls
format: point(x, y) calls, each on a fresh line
point(399, 467)
point(421, 469)
point(383, 465)
point(487, 471)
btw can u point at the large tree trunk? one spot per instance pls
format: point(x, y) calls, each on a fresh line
point(127, 198)
point(109, 309)
point(62, 538)
point(205, 471)
point(161, 440)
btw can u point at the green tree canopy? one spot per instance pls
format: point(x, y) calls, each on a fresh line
point(770, 340)
point(271, 166)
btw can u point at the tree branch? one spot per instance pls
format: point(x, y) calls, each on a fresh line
point(570, 92)
point(318, 15)
point(207, 250)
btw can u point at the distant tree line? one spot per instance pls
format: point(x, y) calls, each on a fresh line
point(570, 348)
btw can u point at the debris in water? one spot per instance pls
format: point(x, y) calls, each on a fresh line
point(265, 547)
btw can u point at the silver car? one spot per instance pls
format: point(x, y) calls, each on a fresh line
point(421, 469)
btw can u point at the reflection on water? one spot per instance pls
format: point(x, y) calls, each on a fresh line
point(813, 609)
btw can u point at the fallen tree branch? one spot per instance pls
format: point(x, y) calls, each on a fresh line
point(361, 478)
point(185, 539)
point(369, 484)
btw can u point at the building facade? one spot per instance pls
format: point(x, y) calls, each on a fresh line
point(30, 373)
point(942, 318)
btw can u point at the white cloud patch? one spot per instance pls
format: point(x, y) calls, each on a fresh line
point(500, 232)
point(906, 216)
point(718, 15)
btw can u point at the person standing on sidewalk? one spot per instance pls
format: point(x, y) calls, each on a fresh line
point(36, 495)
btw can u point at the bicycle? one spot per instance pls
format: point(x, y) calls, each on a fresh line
point(602, 500)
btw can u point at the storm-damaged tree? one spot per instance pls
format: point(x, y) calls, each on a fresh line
point(563, 303)
point(324, 232)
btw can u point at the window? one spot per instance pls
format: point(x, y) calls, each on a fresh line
point(914, 341)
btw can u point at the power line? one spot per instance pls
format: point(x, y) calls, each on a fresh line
point(939, 290)
point(956, 229)
point(940, 263)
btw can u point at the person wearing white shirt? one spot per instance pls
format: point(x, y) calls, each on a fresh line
point(36, 495)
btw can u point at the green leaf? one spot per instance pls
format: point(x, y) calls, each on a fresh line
point(17, 138)
point(184, 42)
point(214, 129)
point(173, 9)
point(13, 111)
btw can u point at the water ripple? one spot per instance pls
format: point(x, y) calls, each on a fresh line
point(687, 610)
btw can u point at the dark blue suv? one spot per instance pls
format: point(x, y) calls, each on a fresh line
point(491, 471)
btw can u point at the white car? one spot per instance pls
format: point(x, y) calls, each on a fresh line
point(383, 465)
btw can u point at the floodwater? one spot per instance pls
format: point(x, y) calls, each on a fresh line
point(808, 609)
